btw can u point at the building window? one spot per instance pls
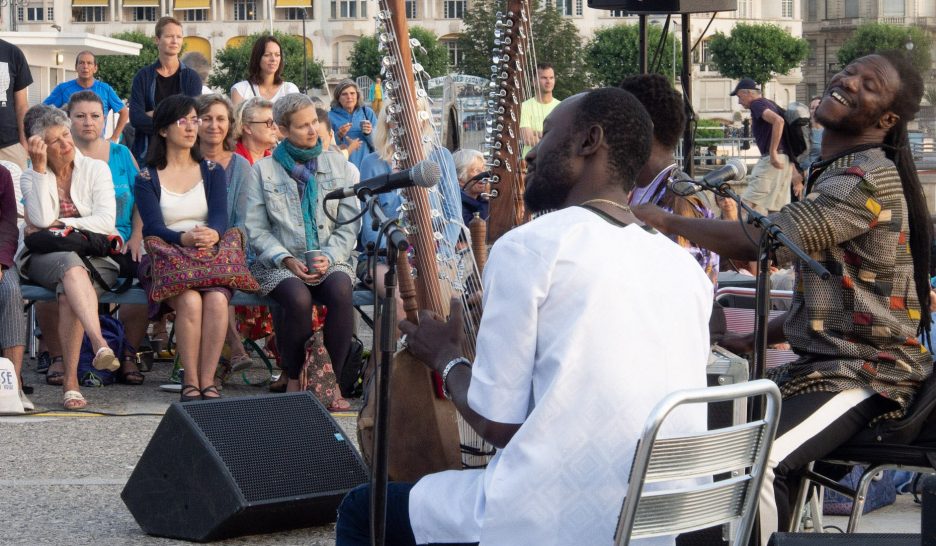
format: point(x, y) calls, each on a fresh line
point(851, 8)
point(410, 7)
point(50, 14)
point(812, 10)
point(786, 9)
point(34, 14)
point(348, 9)
point(893, 8)
point(811, 59)
point(245, 10)
point(565, 7)
point(454, 9)
point(617, 13)
point(703, 57)
point(744, 9)
point(455, 55)
point(194, 15)
point(143, 13)
point(91, 14)
point(296, 14)
point(812, 90)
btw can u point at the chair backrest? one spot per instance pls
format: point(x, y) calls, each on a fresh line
point(684, 497)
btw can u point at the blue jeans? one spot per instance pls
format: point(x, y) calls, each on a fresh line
point(353, 527)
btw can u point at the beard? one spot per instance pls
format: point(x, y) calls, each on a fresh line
point(550, 184)
point(854, 123)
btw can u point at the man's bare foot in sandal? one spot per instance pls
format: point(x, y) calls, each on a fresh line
point(74, 401)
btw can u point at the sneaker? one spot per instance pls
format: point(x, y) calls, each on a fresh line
point(43, 362)
point(27, 403)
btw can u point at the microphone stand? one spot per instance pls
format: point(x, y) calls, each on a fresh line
point(385, 316)
point(772, 238)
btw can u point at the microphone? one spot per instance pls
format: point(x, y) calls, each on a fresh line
point(733, 170)
point(424, 174)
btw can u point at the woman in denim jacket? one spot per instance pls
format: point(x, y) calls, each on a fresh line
point(285, 218)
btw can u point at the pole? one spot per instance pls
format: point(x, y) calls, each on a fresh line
point(305, 57)
point(685, 76)
point(642, 31)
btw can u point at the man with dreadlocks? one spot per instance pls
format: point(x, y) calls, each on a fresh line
point(865, 219)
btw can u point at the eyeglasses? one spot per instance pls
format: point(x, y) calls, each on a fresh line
point(185, 122)
point(269, 123)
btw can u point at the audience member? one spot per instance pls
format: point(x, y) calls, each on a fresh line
point(557, 303)
point(12, 322)
point(286, 219)
point(254, 129)
point(473, 180)
point(376, 94)
point(264, 73)
point(183, 200)
point(215, 144)
point(328, 133)
point(86, 112)
point(352, 121)
point(815, 133)
point(201, 65)
point(768, 187)
point(534, 110)
point(665, 106)
point(86, 66)
point(14, 69)
point(65, 189)
point(164, 78)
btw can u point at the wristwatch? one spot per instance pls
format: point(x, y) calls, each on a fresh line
point(448, 368)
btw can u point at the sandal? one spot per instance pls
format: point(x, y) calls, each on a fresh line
point(131, 377)
point(55, 377)
point(339, 405)
point(105, 359)
point(210, 389)
point(190, 397)
point(73, 401)
point(241, 362)
point(280, 384)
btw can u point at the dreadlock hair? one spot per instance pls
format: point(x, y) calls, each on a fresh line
point(897, 148)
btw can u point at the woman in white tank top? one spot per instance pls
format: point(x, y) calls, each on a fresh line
point(264, 74)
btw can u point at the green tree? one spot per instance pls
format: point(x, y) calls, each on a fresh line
point(231, 62)
point(556, 41)
point(613, 54)
point(757, 51)
point(118, 70)
point(366, 59)
point(871, 37)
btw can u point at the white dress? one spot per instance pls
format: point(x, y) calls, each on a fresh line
point(586, 326)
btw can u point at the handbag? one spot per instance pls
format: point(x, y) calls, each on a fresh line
point(175, 268)
point(86, 244)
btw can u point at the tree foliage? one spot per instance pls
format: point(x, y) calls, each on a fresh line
point(231, 62)
point(555, 40)
point(366, 58)
point(118, 70)
point(757, 51)
point(613, 53)
point(872, 37)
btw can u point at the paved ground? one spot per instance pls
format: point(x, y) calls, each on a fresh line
point(62, 473)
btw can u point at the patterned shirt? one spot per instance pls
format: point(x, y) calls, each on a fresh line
point(659, 194)
point(858, 328)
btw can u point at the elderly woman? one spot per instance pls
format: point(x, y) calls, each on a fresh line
point(216, 144)
point(86, 112)
point(473, 180)
point(183, 201)
point(12, 323)
point(254, 129)
point(285, 220)
point(264, 73)
point(352, 121)
point(65, 189)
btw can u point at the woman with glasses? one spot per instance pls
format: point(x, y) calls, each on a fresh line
point(183, 200)
point(286, 219)
point(473, 179)
point(254, 130)
point(215, 144)
point(264, 73)
point(64, 189)
point(352, 121)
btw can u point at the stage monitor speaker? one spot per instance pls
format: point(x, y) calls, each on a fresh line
point(239, 466)
point(840, 539)
point(663, 7)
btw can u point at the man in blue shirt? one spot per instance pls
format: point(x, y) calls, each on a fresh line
point(86, 66)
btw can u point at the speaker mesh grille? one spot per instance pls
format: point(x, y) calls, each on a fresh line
point(274, 447)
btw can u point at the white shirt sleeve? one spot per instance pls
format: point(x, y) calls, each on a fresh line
point(516, 282)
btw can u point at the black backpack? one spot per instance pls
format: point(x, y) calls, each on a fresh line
point(796, 140)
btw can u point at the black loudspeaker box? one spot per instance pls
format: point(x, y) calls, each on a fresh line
point(839, 539)
point(654, 7)
point(223, 468)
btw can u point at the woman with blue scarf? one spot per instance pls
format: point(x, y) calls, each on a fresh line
point(285, 219)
